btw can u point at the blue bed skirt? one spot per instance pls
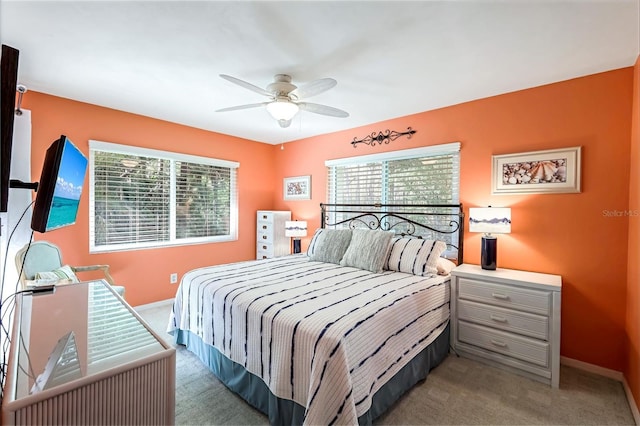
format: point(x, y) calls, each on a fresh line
point(286, 412)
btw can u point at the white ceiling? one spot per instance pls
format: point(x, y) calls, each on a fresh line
point(162, 59)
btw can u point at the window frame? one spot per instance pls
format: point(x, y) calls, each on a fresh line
point(172, 157)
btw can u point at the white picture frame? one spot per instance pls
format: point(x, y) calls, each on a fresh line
point(297, 188)
point(537, 172)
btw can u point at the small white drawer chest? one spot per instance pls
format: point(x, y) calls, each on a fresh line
point(270, 239)
point(508, 318)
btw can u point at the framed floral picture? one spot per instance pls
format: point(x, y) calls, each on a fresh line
point(297, 188)
point(537, 172)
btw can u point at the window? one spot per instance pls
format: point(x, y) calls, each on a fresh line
point(147, 198)
point(428, 175)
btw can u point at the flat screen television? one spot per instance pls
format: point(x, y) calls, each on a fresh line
point(60, 186)
point(8, 83)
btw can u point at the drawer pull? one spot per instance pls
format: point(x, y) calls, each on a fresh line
point(264, 257)
point(500, 296)
point(264, 216)
point(264, 237)
point(264, 226)
point(498, 318)
point(498, 343)
point(264, 247)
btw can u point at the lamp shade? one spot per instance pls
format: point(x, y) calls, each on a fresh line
point(282, 109)
point(490, 220)
point(295, 228)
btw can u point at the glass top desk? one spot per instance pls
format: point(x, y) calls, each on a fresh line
point(81, 355)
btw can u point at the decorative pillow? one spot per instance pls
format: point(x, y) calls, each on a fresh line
point(368, 250)
point(329, 245)
point(444, 266)
point(314, 242)
point(63, 273)
point(415, 256)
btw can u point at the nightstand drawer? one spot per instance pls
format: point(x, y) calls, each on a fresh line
point(515, 346)
point(508, 296)
point(532, 325)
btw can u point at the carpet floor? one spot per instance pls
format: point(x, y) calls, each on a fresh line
point(458, 392)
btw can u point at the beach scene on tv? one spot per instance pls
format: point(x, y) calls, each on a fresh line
point(66, 196)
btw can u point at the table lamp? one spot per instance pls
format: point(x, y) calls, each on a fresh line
point(295, 229)
point(489, 220)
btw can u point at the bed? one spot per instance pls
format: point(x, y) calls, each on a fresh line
point(335, 335)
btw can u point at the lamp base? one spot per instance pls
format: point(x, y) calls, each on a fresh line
point(489, 253)
point(296, 246)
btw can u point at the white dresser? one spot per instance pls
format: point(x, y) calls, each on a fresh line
point(270, 238)
point(80, 355)
point(508, 318)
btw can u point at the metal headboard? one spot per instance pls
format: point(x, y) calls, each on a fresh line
point(433, 221)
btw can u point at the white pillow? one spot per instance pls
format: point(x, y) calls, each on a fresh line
point(368, 250)
point(415, 255)
point(63, 273)
point(444, 266)
point(314, 242)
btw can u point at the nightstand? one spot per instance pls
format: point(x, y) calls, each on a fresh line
point(508, 318)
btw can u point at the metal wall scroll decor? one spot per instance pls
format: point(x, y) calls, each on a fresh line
point(383, 137)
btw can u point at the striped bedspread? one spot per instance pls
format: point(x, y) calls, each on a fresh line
point(323, 335)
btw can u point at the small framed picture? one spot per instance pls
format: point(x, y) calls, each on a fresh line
point(297, 188)
point(537, 172)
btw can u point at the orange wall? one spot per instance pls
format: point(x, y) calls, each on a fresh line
point(632, 370)
point(145, 273)
point(566, 234)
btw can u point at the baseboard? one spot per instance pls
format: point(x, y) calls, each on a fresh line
point(632, 402)
point(606, 372)
point(153, 305)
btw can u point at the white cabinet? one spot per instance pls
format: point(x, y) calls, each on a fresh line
point(508, 318)
point(270, 238)
point(81, 355)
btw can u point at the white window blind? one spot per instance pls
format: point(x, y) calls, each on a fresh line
point(356, 183)
point(147, 198)
point(428, 175)
point(203, 200)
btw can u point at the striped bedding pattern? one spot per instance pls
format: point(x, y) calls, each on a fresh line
point(323, 335)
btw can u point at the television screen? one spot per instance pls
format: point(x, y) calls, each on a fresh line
point(60, 186)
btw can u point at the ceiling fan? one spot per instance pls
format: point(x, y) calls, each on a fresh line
point(285, 98)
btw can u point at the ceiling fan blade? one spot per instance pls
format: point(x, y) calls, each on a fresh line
point(235, 108)
point(323, 109)
point(313, 88)
point(246, 85)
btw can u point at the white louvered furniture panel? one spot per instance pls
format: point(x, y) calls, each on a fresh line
point(511, 344)
point(536, 326)
point(508, 318)
point(126, 372)
point(270, 239)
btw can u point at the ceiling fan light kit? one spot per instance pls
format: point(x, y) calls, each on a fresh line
point(285, 96)
point(282, 109)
